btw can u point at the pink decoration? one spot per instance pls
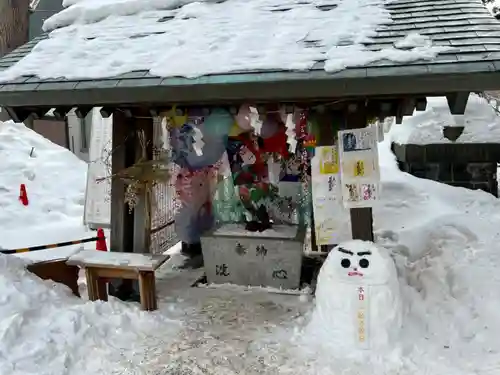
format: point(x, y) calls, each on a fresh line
point(243, 118)
point(270, 126)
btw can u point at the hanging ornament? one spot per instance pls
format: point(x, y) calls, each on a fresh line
point(270, 125)
point(255, 121)
point(176, 116)
point(184, 152)
point(242, 118)
point(198, 141)
point(218, 123)
point(290, 133)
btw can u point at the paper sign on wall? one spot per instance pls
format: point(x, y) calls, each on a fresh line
point(97, 211)
point(332, 223)
point(359, 167)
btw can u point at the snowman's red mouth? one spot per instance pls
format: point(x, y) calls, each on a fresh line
point(354, 273)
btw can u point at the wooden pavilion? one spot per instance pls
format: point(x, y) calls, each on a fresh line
point(346, 98)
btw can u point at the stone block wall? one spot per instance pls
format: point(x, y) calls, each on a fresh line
point(472, 166)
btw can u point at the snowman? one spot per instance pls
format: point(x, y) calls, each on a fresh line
point(357, 299)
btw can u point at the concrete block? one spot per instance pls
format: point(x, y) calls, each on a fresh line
point(271, 258)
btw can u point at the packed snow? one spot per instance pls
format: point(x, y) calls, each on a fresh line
point(45, 330)
point(97, 38)
point(443, 242)
point(55, 185)
point(481, 123)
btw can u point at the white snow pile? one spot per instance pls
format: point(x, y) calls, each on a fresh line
point(54, 179)
point(481, 123)
point(446, 246)
point(105, 38)
point(44, 330)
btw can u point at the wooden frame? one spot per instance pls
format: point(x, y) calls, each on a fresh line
point(97, 289)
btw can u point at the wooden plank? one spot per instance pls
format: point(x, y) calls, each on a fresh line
point(328, 122)
point(116, 273)
point(91, 285)
point(147, 286)
point(101, 259)
point(57, 271)
point(120, 217)
point(101, 287)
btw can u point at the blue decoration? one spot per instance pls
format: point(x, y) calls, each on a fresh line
point(183, 153)
point(217, 124)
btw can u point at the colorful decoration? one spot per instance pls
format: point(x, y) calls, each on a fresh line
point(217, 124)
point(310, 143)
point(243, 118)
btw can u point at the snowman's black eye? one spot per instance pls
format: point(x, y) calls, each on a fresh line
point(346, 263)
point(364, 263)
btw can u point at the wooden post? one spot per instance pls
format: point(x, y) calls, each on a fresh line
point(122, 157)
point(122, 220)
point(14, 24)
point(142, 211)
point(361, 218)
point(328, 123)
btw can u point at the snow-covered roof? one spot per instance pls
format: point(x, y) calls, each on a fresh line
point(145, 42)
point(104, 38)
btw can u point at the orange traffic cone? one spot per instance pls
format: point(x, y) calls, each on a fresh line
point(23, 196)
point(101, 241)
point(100, 244)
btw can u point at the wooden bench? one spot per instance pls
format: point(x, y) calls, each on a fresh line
point(100, 265)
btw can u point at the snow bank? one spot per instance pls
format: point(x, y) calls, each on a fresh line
point(482, 123)
point(445, 243)
point(44, 330)
point(168, 38)
point(55, 183)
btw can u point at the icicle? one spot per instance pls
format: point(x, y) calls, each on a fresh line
point(198, 141)
point(255, 120)
point(290, 133)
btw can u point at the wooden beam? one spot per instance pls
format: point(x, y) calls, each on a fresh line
point(82, 111)
point(421, 104)
point(142, 211)
point(17, 114)
point(361, 218)
point(61, 112)
point(106, 112)
point(123, 156)
point(122, 223)
point(327, 123)
point(457, 102)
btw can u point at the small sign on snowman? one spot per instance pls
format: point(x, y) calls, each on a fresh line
point(357, 297)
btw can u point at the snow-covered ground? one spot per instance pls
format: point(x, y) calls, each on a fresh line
point(55, 183)
point(445, 241)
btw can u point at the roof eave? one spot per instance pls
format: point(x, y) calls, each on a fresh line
point(258, 87)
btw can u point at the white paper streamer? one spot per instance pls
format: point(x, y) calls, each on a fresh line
point(255, 121)
point(290, 132)
point(198, 143)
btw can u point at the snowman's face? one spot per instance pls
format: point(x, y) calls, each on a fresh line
point(361, 262)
